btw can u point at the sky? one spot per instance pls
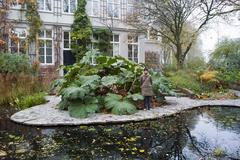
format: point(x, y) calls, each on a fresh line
point(218, 30)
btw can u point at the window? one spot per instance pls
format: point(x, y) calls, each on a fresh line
point(17, 4)
point(44, 5)
point(17, 41)
point(69, 6)
point(130, 7)
point(133, 48)
point(94, 7)
point(113, 8)
point(115, 44)
point(67, 40)
point(46, 47)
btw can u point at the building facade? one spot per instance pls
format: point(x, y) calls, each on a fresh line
point(55, 38)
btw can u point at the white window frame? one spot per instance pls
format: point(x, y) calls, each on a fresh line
point(69, 38)
point(17, 5)
point(130, 5)
point(92, 8)
point(134, 45)
point(113, 42)
point(19, 37)
point(69, 10)
point(45, 48)
point(45, 6)
point(114, 4)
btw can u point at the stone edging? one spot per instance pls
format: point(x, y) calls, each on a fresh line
point(48, 115)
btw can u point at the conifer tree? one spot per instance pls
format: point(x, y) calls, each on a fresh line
point(81, 31)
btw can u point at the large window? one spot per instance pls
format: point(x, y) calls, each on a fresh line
point(46, 47)
point(93, 7)
point(133, 48)
point(115, 44)
point(44, 5)
point(67, 40)
point(17, 41)
point(113, 8)
point(69, 6)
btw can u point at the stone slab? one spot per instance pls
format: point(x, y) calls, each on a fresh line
point(48, 114)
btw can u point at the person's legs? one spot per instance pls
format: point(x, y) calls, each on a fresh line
point(145, 102)
point(149, 102)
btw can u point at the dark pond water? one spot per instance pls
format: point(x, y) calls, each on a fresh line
point(207, 133)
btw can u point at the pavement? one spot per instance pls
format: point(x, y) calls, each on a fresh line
point(49, 115)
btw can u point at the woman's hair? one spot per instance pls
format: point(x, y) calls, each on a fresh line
point(145, 69)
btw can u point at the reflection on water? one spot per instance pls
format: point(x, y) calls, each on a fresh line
point(209, 133)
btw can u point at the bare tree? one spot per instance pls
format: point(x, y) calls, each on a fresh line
point(169, 18)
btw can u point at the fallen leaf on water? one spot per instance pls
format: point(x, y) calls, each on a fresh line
point(2, 153)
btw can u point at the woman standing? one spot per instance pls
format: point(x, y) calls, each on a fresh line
point(146, 88)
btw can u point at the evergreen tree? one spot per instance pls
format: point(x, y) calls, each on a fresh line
point(81, 31)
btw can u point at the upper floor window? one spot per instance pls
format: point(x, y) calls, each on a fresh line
point(17, 4)
point(69, 6)
point(46, 47)
point(17, 42)
point(115, 44)
point(133, 48)
point(113, 8)
point(93, 8)
point(44, 5)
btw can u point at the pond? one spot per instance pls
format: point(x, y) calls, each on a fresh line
point(207, 133)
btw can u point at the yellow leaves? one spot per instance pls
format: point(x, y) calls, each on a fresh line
point(83, 127)
point(208, 76)
point(132, 139)
point(141, 150)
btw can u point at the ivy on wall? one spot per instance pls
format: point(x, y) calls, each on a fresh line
point(33, 18)
point(81, 31)
point(103, 44)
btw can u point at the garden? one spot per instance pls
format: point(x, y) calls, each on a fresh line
point(95, 109)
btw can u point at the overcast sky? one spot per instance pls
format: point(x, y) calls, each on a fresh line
point(218, 30)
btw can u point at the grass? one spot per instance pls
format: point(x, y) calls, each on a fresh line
point(14, 87)
point(30, 100)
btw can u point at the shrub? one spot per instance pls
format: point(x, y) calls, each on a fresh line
point(113, 84)
point(227, 77)
point(29, 100)
point(14, 63)
point(226, 55)
point(17, 78)
point(184, 79)
point(197, 63)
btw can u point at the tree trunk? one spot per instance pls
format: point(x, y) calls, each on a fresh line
point(179, 57)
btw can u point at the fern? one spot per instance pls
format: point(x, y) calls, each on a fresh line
point(119, 105)
point(82, 109)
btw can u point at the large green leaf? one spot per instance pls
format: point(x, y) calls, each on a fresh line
point(73, 93)
point(81, 109)
point(119, 105)
point(135, 97)
point(91, 81)
point(109, 80)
